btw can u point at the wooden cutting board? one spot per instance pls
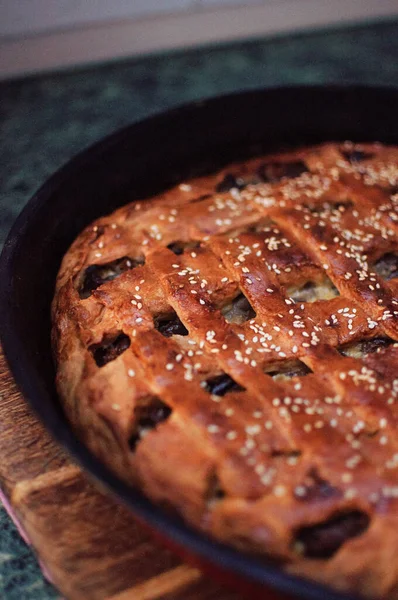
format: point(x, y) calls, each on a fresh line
point(89, 545)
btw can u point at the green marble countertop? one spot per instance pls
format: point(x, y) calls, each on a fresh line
point(44, 120)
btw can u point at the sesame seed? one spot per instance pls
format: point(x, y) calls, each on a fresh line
point(279, 490)
point(213, 428)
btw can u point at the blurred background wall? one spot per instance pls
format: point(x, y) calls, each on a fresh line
point(37, 35)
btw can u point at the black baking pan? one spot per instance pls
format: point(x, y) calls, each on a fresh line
point(134, 163)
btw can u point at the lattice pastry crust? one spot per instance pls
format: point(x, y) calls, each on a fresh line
point(230, 347)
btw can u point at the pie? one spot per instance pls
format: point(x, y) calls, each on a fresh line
point(230, 347)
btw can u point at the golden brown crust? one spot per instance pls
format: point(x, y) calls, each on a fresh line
point(229, 346)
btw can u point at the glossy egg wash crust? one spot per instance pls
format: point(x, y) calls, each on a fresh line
point(230, 346)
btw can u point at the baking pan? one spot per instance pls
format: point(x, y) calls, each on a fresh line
point(135, 163)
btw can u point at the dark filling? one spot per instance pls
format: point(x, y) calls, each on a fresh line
point(222, 384)
point(312, 291)
point(355, 156)
point(266, 173)
point(324, 539)
point(109, 349)
point(99, 231)
point(239, 311)
point(169, 325)
point(265, 225)
point(366, 346)
point(214, 493)
point(179, 247)
point(274, 172)
point(316, 488)
point(289, 369)
point(238, 182)
point(176, 247)
point(305, 292)
point(147, 418)
point(229, 182)
point(96, 275)
point(373, 345)
point(286, 453)
point(387, 266)
point(329, 206)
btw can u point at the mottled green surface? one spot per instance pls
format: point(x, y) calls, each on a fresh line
point(46, 120)
point(20, 578)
